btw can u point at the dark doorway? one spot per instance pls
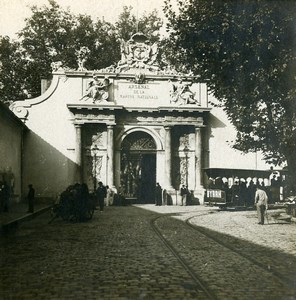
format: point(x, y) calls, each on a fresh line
point(148, 179)
point(138, 167)
point(138, 176)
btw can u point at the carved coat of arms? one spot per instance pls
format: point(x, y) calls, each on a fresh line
point(138, 53)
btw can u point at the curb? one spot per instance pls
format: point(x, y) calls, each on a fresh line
point(5, 228)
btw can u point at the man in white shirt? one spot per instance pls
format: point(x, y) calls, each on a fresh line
point(261, 203)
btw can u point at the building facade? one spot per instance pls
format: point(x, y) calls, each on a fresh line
point(129, 125)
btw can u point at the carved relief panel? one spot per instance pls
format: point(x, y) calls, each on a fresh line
point(94, 154)
point(183, 146)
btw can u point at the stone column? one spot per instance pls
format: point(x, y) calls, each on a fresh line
point(110, 156)
point(168, 158)
point(78, 151)
point(198, 159)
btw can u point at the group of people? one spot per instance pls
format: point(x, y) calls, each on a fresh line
point(161, 196)
point(104, 195)
point(74, 203)
point(241, 194)
point(6, 195)
point(77, 203)
point(184, 195)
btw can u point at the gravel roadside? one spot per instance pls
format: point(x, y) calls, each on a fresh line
point(275, 234)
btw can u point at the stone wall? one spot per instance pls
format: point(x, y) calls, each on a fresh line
point(12, 131)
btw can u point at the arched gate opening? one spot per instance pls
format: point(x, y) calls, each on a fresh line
point(138, 167)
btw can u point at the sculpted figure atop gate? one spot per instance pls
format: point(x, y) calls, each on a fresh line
point(97, 90)
point(182, 94)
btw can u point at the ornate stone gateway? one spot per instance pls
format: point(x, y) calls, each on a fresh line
point(129, 125)
point(138, 167)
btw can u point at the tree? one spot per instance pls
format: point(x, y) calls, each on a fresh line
point(53, 34)
point(246, 52)
point(12, 70)
point(128, 24)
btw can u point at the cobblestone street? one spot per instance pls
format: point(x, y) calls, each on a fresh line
point(117, 255)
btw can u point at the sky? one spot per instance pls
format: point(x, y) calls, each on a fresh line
point(14, 12)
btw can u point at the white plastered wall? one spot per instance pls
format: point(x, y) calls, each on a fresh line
point(221, 154)
point(50, 146)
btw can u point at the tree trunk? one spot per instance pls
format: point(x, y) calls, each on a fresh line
point(291, 180)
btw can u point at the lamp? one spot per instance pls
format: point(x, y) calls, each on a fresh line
point(186, 151)
point(95, 150)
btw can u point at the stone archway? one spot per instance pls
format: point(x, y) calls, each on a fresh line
point(138, 167)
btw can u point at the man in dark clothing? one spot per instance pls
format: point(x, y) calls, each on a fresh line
point(184, 193)
point(101, 193)
point(31, 197)
point(6, 196)
point(158, 194)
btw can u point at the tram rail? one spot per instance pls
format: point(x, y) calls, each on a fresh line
point(228, 246)
point(193, 270)
point(182, 261)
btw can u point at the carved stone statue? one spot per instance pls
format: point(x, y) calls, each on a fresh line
point(56, 66)
point(181, 93)
point(97, 90)
point(82, 56)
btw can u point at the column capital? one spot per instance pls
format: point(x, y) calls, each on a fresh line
point(200, 127)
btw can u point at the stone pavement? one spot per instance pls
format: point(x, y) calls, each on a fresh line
point(275, 234)
point(18, 213)
point(117, 255)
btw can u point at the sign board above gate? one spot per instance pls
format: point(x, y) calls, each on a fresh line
point(129, 93)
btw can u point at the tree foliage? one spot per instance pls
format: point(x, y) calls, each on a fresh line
point(128, 24)
point(54, 34)
point(246, 52)
point(13, 70)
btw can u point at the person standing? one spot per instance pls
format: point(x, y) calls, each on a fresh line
point(158, 194)
point(31, 197)
point(184, 192)
point(243, 194)
point(261, 200)
point(251, 190)
point(5, 196)
point(101, 193)
point(109, 197)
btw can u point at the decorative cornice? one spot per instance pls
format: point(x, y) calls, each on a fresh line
point(160, 76)
point(111, 107)
point(89, 106)
point(187, 108)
